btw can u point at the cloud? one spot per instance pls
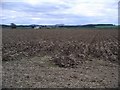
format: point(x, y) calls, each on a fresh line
point(59, 11)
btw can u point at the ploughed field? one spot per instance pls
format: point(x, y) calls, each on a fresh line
point(75, 58)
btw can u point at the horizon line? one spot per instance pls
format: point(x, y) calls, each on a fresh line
point(64, 24)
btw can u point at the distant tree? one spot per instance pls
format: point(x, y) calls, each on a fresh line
point(13, 25)
point(33, 25)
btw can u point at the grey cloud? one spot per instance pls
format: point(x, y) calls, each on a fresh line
point(49, 13)
point(44, 7)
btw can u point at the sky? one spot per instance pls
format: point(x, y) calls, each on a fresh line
point(51, 12)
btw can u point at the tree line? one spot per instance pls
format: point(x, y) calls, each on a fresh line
point(13, 26)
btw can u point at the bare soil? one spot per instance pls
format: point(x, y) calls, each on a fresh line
point(60, 58)
point(40, 72)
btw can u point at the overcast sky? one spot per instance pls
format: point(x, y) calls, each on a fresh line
point(72, 12)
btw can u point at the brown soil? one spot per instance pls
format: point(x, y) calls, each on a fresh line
point(40, 72)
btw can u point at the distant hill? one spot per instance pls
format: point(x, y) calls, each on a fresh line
point(67, 26)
